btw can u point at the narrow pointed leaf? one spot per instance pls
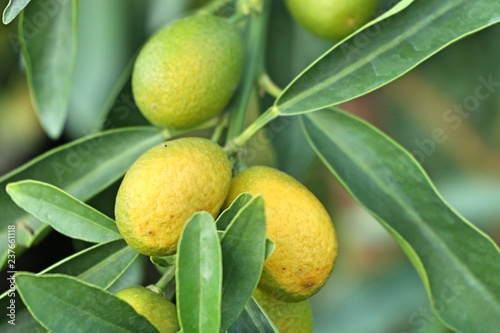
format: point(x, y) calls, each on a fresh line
point(384, 51)
point(64, 213)
point(82, 168)
point(100, 265)
point(199, 276)
point(253, 319)
point(65, 304)
point(458, 263)
point(230, 212)
point(47, 31)
point(243, 252)
point(13, 9)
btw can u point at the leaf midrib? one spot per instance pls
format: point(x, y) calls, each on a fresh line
point(364, 61)
point(64, 302)
point(396, 199)
point(77, 215)
point(76, 184)
point(88, 272)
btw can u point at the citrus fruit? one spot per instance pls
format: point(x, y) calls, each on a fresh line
point(288, 317)
point(164, 187)
point(301, 228)
point(158, 310)
point(187, 72)
point(332, 19)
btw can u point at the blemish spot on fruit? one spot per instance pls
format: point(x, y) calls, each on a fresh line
point(172, 217)
point(164, 145)
point(309, 284)
point(284, 268)
point(351, 22)
point(153, 106)
point(149, 232)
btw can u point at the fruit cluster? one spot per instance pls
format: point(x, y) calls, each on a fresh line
point(185, 75)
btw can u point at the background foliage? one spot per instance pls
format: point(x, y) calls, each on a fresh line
point(434, 111)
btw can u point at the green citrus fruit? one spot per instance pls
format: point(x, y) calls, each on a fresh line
point(287, 317)
point(187, 72)
point(159, 311)
point(301, 228)
point(332, 19)
point(164, 187)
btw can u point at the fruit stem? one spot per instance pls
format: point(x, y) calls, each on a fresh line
point(269, 86)
point(213, 6)
point(219, 129)
point(254, 59)
point(258, 124)
point(166, 279)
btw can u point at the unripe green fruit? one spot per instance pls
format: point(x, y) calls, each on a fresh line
point(332, 19)
point(188, 72)
point(159, 311)
point(287, 317)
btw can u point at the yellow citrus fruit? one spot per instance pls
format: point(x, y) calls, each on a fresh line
point(164, 187)
point(188, 71)
point(288, 317)
point(332, 19)
point(301, 228)
point(158, 310)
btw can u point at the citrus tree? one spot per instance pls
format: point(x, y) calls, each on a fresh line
point(170, 152)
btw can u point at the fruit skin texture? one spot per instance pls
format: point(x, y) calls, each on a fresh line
point(158, 310)
point(287, 317)
point(188, 71)
point(164, 187)
point(332, 19)
point(301, 228)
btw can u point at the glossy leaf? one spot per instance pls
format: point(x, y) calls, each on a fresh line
point(100, 265)
point(230, 212)
point(199, 276)
point(458, 263)
point(47, 31)
point(80, 307)
point(384, 51)
point(82, 168)
point(254, 320)
point(64, 213)
point(243, 252)
point(13, 9)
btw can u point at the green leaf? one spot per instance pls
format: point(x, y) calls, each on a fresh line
point(47, 33)
point(100, 265)
point(458, 263)
point(82, 168)
point(163, 261)
point(253, 319)
point(270, 247)
point(199, 275)
point(13, 8)
point(384, 51)
point(65, 304)
point(229, 213)
point(64, 213)
point(243, 252)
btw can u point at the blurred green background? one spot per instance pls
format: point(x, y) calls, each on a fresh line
point(373, 287)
